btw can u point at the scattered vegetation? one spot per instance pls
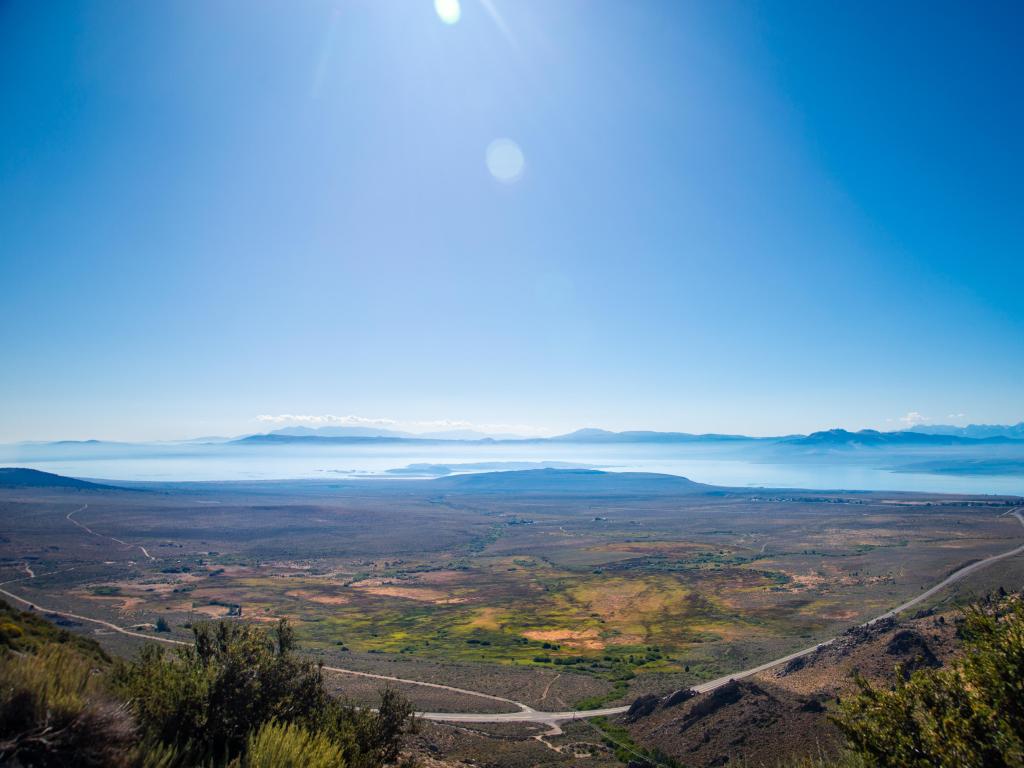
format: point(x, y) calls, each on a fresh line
point(291, 746)
point(619, 740)
point(54, 711)
point(237, 697)
point(967, 715)
point(26, 632)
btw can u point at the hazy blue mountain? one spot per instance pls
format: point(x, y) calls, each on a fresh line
point(20, 477)
point(576, 481)
point(302, 434)
point(274, 438)
point(204, 439)
point(450, 434)
point(976, 431)
point(467, 434)
point(871, 438)
point(340, 432)
point(832, 438)
point(591, 435)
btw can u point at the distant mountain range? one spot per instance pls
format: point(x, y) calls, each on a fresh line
point(920, 436)
point(450, 434)
point(870, 438)
point(276, 438)
point(591, 435)
point(831, 438)
point(976, 431)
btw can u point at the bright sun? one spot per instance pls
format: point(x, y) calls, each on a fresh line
point(449, 11)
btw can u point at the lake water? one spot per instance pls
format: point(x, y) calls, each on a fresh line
point(716, 465)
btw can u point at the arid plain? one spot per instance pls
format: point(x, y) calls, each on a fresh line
point(616, 589)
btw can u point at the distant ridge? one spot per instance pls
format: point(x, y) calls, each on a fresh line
point(20, 477)
point(449, 434)
point(922, 436)
point(338, 432)
point(834, 438)
point(577, 481)
point(841, 438)
point(976, 431)
point(278, 439)
point(591, 435)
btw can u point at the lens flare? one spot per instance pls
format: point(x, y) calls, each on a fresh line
point(505, 160)
point(448, 11)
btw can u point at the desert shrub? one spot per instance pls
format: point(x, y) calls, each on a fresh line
point(211, 699)
point(10, 633)
point(152, 754)
point(27, 631)
point(291, 746)
point(844, 759)
point(54, 712)
point(227, 684)
point(368, 738)
point(969, 715)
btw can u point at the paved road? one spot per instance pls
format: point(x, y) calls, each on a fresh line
point(525, 713)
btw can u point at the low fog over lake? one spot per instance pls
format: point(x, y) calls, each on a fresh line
point(955, 469)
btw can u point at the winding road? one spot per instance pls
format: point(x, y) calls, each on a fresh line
point(90, 531)
point(526, 714)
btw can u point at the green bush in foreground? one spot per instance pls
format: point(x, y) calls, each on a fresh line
point(968, 715)
point(291, 746)
point(54, 712)
point(237, 697)
point(213, 699)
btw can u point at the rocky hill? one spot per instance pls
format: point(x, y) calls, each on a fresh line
point(782, 713)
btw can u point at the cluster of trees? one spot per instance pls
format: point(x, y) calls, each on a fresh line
point(238, 697)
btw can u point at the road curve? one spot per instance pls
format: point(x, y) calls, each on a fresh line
point(525, 713)
point(523, 709)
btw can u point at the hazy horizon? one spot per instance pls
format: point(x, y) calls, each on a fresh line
point(263, 425)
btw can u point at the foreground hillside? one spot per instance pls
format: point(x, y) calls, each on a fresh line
point(239, 696)
point(936, 690)
point(786, 711)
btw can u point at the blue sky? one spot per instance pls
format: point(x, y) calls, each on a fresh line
point(739, 217)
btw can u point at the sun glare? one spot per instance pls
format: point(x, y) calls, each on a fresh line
point(448, 11)
point(505, 160)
